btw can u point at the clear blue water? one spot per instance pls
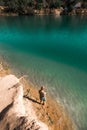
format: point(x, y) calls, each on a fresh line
point(52, 51)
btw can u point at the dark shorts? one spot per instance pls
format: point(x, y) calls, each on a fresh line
point(43, 99)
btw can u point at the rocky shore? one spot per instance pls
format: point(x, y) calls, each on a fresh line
point(16, 113)
point(55, 11)
point(20, 108)
point(29, 11)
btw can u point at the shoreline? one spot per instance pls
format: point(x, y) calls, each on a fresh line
point(53, 114)
point(47, 11)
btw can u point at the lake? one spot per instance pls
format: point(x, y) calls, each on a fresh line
point(52, 51)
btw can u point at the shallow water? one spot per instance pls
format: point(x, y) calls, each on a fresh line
point(53, 52)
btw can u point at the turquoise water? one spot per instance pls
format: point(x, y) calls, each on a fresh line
point(52, 51)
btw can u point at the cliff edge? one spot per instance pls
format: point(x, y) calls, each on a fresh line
point(16, 113)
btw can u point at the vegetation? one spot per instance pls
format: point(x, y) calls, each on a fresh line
point(27, 6)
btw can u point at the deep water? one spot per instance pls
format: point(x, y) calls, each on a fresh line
point(52, 51)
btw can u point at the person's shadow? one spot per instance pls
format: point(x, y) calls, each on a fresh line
point(31, 99)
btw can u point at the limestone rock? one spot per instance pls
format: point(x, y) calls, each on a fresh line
point(15, 112)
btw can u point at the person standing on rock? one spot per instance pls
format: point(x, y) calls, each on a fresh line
point(42, 95)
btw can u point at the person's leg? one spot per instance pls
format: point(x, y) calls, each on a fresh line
point(44, 101)
point(40, 101)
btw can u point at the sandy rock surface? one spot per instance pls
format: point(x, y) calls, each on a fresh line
point(15, 112)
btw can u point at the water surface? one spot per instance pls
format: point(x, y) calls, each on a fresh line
point(53, 52)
